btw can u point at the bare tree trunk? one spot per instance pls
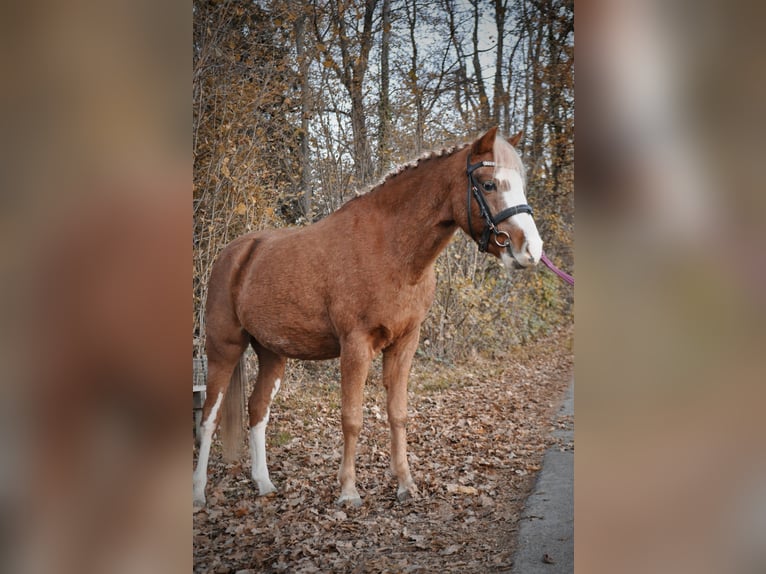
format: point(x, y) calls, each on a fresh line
point(413, 80)
point(526, 87)
point(483, 119)
point(538, 119)
point(351, 73)
point(384, 108)
point(560, 24)
point(511, 86)
point(462, 95)
point(499, 95)
point(305, 158)
point(362, 155)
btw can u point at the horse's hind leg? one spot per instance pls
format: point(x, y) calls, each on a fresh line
point(271, 369)
point(223, 354)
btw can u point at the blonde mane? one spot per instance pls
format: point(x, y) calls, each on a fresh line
point(413, 164)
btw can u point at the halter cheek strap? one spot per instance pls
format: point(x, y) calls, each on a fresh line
point(490, 221)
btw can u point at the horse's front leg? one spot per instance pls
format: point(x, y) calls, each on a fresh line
point(355, 359)
point(397, 360)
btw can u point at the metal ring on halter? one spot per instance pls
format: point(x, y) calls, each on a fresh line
point(507, 243)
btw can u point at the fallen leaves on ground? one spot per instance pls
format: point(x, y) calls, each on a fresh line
point(474, 445)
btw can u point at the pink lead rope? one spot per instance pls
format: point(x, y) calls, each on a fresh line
point(566, 277)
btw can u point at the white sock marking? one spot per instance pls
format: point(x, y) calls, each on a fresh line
point(258, 453)
point(260, 471)
point(200, 473)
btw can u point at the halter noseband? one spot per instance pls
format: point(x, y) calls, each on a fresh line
point(490, 221)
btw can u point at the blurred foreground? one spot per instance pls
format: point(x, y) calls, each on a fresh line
point(95, 257)
point(670, 467)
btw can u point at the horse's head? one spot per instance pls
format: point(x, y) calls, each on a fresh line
point(499, 219)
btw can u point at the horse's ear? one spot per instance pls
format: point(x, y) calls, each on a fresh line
point(514, 141)
point(485, 143)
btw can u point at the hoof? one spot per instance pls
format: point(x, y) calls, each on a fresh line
point(199, 502)
point(406, 493)
point(265, 488)
point(347, 500)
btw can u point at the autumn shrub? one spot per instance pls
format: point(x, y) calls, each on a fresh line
point(482, 309)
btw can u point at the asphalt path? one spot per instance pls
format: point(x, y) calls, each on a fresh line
point(546, 533)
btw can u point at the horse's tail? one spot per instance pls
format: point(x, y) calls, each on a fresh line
point(233, 412)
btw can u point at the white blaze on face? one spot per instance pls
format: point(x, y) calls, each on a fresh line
point(510, 186)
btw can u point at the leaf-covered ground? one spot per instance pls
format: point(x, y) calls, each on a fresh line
point(476, 436)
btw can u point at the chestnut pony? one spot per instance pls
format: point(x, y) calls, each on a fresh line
point(354, 284)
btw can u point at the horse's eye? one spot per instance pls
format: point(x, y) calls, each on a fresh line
point(488, 186)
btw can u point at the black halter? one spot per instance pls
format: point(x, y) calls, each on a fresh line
point(491, 222)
